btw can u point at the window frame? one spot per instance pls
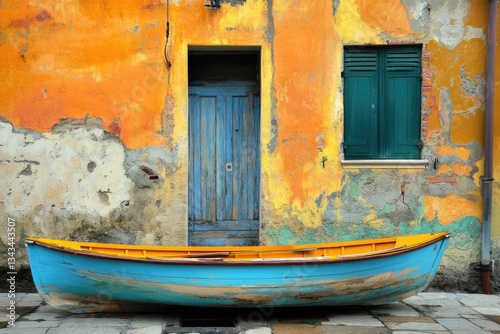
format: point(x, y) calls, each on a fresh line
point(384, 63)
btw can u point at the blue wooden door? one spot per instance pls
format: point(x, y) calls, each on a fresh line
point(224, 170)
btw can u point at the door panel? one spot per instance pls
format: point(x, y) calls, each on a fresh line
point(224, 181)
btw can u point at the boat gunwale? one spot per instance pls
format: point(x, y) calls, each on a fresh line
point(245, 262)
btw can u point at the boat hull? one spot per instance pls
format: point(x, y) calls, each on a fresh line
point(80, 283)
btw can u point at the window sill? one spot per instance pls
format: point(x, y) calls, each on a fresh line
point(393, 164)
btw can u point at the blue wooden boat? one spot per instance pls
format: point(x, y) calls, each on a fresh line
point(92, 277)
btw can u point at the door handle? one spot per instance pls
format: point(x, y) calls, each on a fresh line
point(229, 166)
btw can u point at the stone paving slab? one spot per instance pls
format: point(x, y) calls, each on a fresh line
point(460, 325)
point(419, 332)
point(37, 324)
point(17, 330)
point(30, 296)
point(201, 330)
point(362, 320)
point(487, 310)
point(486, 324)
point(91, 322)
point(447, 312)
point(415, 326)
point(395, 309)
point(282, 328)
point(86, 330)
point(30, 300)
point(44, 314)
point(353, 330)
point(258, 331)
point(406, 319)
point(478, 300)
point(151, 329)
point(144, 320)
point(439, 299)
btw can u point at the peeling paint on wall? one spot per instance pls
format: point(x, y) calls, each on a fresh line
point(79, 181)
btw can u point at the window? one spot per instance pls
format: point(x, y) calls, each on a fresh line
point(382, 101)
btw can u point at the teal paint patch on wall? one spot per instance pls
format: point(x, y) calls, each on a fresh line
point(281, 236)
point(356, 231)
point(465, 232)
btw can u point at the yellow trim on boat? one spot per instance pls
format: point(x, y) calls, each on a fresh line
point(335, 250)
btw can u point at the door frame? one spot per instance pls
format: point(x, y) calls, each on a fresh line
point(256, 86)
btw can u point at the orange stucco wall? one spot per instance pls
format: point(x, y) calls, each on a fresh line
point(101, 58)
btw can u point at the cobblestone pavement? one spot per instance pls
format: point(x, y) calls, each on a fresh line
point(424, 313)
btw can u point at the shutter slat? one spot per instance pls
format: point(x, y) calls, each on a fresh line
point(403, 58)
point(359, 59)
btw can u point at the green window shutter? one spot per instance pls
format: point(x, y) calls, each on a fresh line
point(361, 133)
point(402, 100)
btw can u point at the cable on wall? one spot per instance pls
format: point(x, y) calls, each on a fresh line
point(167, 35)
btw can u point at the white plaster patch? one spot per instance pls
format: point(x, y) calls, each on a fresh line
point(448, 23)
point(417, 12)
point(52, 173)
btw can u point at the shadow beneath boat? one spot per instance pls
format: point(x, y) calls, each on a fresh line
point(239, 320)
